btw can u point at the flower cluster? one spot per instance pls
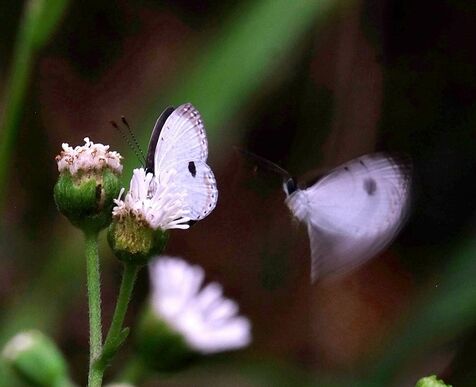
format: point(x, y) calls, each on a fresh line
point(89, 156)
point(88, 184)
point(158, 203)
point(207, 320)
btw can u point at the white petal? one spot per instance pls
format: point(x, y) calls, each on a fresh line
point(208, 321)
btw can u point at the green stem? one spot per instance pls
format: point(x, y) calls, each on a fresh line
point(116, 334)
point(94, 299)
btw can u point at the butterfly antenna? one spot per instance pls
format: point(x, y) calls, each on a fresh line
point(261, 161)
point(134, 138)
point(138, 154)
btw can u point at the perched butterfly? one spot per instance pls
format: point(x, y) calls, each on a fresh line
point(178, 142)
point(353, 212)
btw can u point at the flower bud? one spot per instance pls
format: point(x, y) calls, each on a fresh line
point(134, 241)
point(431, 381)
point(36, 360)
point(88, 184)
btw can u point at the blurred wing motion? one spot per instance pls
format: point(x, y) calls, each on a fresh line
point(178, 142)
point(353, 212)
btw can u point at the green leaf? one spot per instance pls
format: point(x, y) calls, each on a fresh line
point(39, 20)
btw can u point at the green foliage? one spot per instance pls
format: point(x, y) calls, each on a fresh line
point(39, 22)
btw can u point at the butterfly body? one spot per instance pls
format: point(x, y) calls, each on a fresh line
point(178, 147)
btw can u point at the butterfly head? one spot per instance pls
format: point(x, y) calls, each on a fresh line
point(297, 202)
point(289, 186)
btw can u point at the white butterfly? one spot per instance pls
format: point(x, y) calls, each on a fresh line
point(353, 212)
point(178, 142)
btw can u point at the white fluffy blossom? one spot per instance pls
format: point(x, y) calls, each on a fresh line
point(207, 320)
point(87, 157)
point(159, 203)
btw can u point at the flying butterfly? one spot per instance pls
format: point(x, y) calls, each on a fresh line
point(351, 213)
point(179, 142)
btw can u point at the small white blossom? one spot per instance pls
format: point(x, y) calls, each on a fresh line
point(160, 203)
point(207, 320)
point(87, 157)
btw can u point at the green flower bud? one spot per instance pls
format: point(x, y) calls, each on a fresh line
point(36, 360)
point(431, 381)
point(87, 201)
point(134, 241)
point(87, 185)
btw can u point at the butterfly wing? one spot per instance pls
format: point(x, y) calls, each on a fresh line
point(154, 137)
point(201, 187)
point(182, 146)
point(355, 211)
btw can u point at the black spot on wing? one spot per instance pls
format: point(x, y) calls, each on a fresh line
point(370, 186)
point(192, 169)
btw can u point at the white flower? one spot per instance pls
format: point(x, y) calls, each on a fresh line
point(89, 156)
point(207, 320)
point(159, 203)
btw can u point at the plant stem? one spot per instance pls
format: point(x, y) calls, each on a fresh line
point(116, 335)
point(127, 285)
point(94, 299)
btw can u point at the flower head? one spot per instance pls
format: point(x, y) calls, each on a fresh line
point(157, 203)
point(87, 184)
point(88, 157)
point(207, 320)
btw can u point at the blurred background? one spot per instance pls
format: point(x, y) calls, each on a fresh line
point(307, 84)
